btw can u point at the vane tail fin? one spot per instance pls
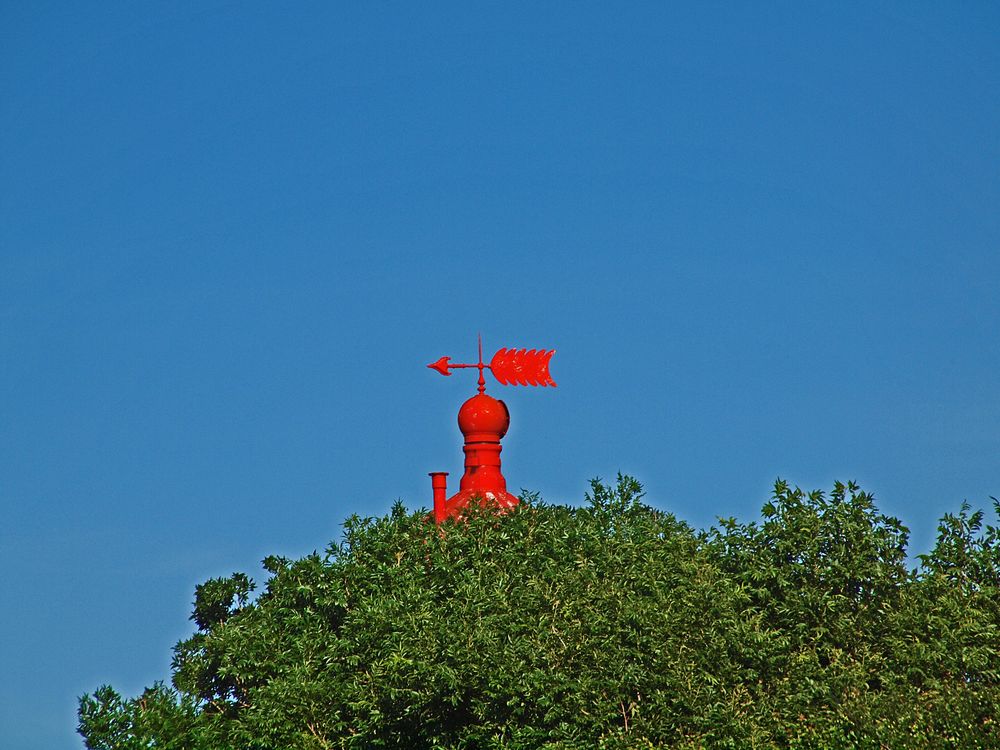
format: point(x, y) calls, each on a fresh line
point(522, 367)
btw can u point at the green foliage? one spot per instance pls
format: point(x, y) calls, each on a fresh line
point(612, 625)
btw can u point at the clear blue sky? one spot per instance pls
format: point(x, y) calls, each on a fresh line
point(764, 239)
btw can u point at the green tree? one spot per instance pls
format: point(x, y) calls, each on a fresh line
point(612, 625)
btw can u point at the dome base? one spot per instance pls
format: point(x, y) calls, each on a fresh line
point(503, 501)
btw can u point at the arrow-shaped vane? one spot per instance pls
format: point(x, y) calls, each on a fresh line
point(509, 367)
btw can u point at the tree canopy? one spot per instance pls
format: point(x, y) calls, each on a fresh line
point(610, 625)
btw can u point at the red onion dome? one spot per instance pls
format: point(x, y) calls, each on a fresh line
point(484, 417)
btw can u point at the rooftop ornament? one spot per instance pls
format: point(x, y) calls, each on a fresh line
point(483, 421)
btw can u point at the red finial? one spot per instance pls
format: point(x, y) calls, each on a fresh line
point(483, 421)
point(482, 380)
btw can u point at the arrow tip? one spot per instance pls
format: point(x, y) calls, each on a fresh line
point(441, 366)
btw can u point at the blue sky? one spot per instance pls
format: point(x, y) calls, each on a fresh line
point(764, 240)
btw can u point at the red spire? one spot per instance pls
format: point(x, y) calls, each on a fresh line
point(483, 421)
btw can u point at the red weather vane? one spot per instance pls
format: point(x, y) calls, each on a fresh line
point(509, 366)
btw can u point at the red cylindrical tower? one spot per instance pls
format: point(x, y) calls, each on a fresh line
point(483, 421)
point(439, 486)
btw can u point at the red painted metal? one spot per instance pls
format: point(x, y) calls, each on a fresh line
point(439, 485)
point(441, 366)
point(509, 367)
point(483, 421)
point(522, 367)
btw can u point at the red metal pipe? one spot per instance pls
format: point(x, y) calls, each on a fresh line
point(439, 486)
